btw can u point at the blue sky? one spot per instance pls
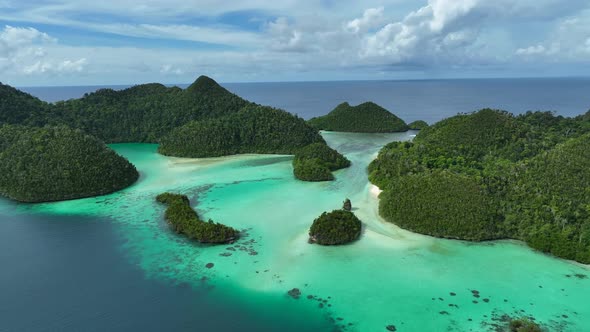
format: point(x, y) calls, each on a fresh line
point(72, 42)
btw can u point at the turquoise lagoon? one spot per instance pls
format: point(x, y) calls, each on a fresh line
point(389, 277)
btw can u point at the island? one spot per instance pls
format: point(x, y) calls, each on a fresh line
point(254, 129)
point(317, 161)
point(44, 164)
point(203, 120)
point(417, 125)
point(184, 220)
point(364, 118)
point(139, 114)
point(335, 228)
point(492, 175)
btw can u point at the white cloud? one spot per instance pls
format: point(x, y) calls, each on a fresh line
point(372, 18)
point(25, 50)
point(285, 37)
point(168, 69)
point(531, 50)
point(294, 38)
point(569, 41)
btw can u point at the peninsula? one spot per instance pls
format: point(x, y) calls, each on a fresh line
point(492, 175)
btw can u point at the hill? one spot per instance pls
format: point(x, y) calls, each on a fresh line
point(141, 114)
point(490, 175)
point(317, 161)
point(364, 118)
point(145, 113)
point(17, 107)
point(254, 129)
point(58, 163)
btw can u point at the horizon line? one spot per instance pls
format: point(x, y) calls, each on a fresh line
point(313, 81)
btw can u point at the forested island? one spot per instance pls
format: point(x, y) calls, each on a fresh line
point(204, 120)
point(254, 129)
point(140, 114)
point(417, 125)
point(42, 164)
point(334, 228)
point(364, 118)
point(184, 220)
point(492, 175)
point(317, 161)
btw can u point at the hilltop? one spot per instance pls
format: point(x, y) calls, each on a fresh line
point(364, 118)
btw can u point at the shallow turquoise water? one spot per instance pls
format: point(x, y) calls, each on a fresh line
point(389, 276)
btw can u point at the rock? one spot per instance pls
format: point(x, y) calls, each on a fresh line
point(209, 265)
point(347, 205)
point(391, 328)
point(294, 293)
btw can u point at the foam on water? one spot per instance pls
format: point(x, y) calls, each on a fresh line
point(388, 277)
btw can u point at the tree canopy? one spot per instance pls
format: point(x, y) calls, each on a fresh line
point(142, 113)
point(58, 163)
point(336, 227)
point(254, 129)
point(184, 220)
point(418, 125)
point(364, 118)
point(317, 161)
point(490, 175)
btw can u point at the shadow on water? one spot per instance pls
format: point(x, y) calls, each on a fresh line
point(65, 273)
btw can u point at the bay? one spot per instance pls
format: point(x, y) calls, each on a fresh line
point(388, 277)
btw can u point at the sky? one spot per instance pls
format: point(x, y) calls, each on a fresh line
point(102, 42)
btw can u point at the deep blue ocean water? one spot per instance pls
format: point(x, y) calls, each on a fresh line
point(429, 100)
point(66, 273)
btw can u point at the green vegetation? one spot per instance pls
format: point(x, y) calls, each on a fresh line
point(336, 227)
point(446, 204)
point(17, 107)
point(418, 125)
point(523, 325)
point(143, 113)
point(317, 161)
point(184, 220)
point(491, 175)
point(364, 118)
point(254, 129)
point(58, 163)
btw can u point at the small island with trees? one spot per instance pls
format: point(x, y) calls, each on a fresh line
point(185, 220)
point(45, 164)
point(364, 118)
point(317, 161)
point(418, 125)
point(335, 228)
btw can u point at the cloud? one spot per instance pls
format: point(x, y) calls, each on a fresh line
point(285, 37)
point(532, 50)
point(371, 18)
point(289, 39)
point(168, 69)
point(569, 41)
point(25, 51)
